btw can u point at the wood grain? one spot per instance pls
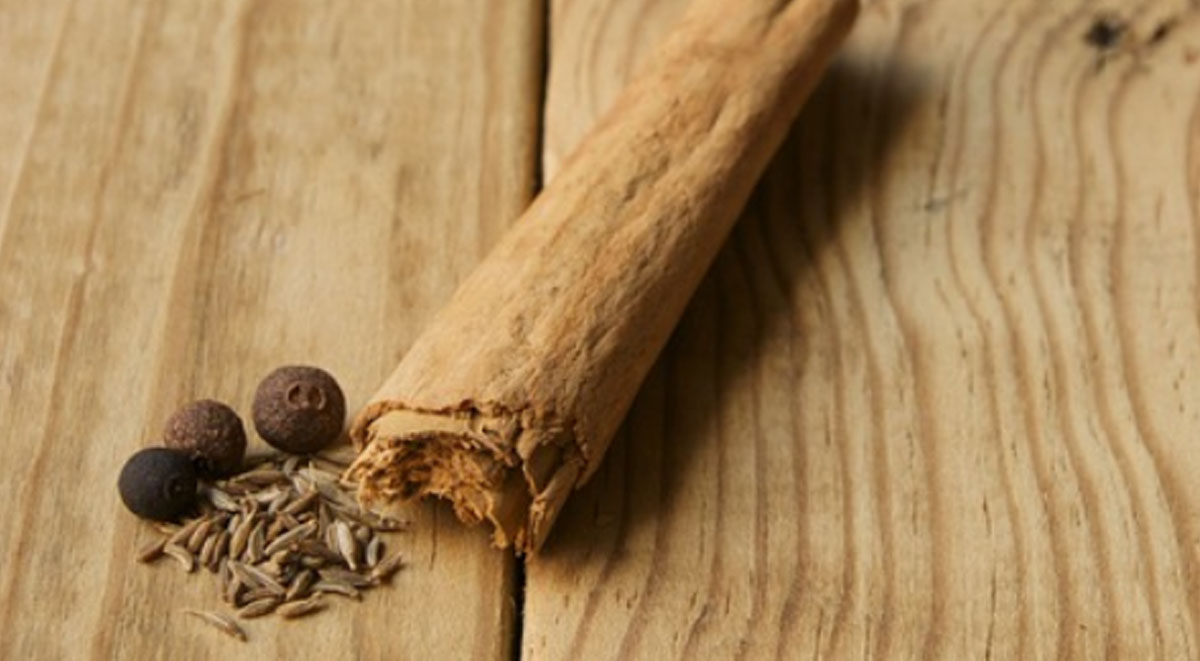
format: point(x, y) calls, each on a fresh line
point(937, 397)
point(192, 194)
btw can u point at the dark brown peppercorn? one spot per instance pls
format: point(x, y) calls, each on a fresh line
point(299, 409)
point(158, 483)
point(211, 434)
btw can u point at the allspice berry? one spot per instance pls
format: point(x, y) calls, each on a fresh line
point(211, 434)
point(158, 483)
point(299, 409)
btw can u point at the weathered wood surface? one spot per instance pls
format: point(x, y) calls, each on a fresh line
point(936, 400)
point(939, 397)
point(191, 194)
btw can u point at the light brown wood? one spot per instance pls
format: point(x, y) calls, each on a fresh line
point(508, 401)
point(938, 398)
point(957, 328)
point(191, 194)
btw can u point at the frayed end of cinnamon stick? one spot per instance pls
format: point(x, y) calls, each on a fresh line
point(491, 464)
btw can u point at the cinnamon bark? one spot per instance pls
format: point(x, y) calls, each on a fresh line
point(509, 399)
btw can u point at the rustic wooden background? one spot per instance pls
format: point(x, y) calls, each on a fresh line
point(938, 397)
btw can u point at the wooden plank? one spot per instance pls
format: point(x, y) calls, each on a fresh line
point(938, 397)
point(196, 193)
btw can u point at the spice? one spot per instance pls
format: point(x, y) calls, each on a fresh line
point(281, 560)
point(336, 587)
point(299, 409)
point(387, 568)
point(301, 608)
point(258, 607)
point(211, 434)
point(224, 623)
point(182, 556)
point(158, 483)
point(509, 399)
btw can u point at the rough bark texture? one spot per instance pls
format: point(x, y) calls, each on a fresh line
point(510, 398)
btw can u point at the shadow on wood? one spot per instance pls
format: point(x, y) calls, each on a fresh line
point(682, 417)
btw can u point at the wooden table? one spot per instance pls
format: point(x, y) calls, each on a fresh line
point(938, 398)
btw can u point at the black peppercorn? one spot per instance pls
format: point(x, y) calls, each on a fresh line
point(211, 434)
point(158, 483)
point(299, 409)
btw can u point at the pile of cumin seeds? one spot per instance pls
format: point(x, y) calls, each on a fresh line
point(279, 538)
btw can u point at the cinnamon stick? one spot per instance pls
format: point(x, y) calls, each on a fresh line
point(509, 399)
